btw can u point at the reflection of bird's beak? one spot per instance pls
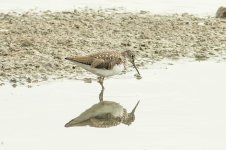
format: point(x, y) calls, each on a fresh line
point(135, 67)
point(133, 111)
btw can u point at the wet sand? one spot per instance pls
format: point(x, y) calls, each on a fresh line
point(33, 45)
point(182, 106)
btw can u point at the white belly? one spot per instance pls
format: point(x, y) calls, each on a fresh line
point(117, 69)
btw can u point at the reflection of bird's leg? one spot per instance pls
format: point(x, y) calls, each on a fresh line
point(101, 80)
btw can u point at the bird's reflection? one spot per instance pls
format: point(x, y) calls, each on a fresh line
point(103, 115)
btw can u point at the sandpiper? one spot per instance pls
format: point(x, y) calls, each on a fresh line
point(104, 64)
point(104, 115)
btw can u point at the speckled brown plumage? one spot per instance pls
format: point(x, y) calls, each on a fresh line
point(105, 60)
point(103, 119)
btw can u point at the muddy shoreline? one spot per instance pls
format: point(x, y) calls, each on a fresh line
point(33, 45)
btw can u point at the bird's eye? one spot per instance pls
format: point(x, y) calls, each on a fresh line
point(132, 56)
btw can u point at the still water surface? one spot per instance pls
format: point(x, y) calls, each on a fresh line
point(182, 106)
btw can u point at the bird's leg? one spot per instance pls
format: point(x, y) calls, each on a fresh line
point(101, 80)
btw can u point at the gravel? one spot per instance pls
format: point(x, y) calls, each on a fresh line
point(33, 45)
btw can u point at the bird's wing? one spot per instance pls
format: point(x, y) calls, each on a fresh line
point(94, 62)
point(95, 121)
point(97, 62)
point(104, 116)
point(106, 60)
point(105, 120)
point(100, 110)
point(106, 64)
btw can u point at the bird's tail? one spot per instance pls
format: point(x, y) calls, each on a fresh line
point(74, 123)
point(80, 59)
point(69, 58)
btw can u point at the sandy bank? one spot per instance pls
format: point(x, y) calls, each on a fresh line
point(33, 45)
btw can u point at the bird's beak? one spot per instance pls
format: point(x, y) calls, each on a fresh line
point(135, 67)
point(133, 111)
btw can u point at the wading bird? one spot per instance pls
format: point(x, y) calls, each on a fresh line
point(104, 64)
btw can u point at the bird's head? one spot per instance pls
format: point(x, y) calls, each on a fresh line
point(131, 57)
point(131, 116)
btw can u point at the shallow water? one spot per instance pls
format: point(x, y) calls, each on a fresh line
point(182, 107)
point(202, 7)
